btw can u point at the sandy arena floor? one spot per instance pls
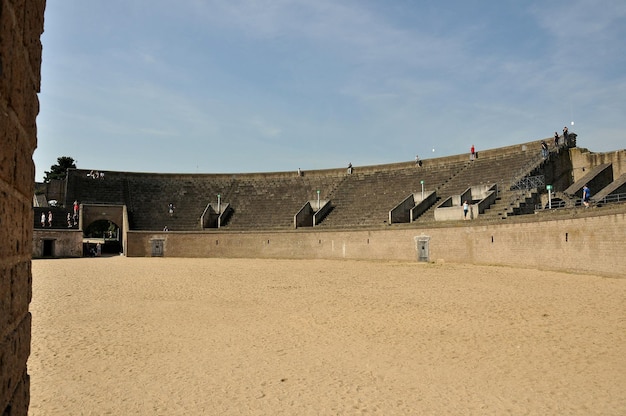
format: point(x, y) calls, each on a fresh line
point(153, 336)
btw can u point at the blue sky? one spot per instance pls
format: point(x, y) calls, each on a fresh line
point(276, 85)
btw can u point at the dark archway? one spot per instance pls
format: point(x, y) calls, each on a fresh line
point(96, 220)
point(105, 232)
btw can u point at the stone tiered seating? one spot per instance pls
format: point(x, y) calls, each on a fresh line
point(498, 169)
point(365, 197)
point(149, 196)
point(502, 170)
point(89, 190)
point(270, 200)
point(259, 201)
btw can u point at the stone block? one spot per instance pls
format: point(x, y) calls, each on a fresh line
point(8, 147)
point(24, 167)
point(21, 289)
point(5, 299)
point(14, 352)
point(7, 210)
point(21, 398)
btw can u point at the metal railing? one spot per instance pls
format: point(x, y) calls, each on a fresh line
point(609, 199)
point(578, 202)
point(531, 182)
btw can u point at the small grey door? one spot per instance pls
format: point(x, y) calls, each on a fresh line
point(421, 245)
point(157, 248)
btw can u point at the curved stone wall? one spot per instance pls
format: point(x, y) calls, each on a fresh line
point(581, 241)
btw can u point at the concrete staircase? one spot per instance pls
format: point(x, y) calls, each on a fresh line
point(365, 198)
point(511, 203)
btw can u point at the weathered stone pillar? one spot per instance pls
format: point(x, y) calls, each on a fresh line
point(21, 26)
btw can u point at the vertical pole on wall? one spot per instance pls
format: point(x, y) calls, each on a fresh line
point(219, 203)
point(318, 200)
point(549, 187)
point(422, 182)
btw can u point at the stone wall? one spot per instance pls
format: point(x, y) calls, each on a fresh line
point(583, 160)
point(91, 213)
point(59, 243)
point(586, 244)
point(21, 25)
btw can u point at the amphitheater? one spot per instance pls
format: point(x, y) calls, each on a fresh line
point(328, 292)
point(525, 211)
point(214, 316)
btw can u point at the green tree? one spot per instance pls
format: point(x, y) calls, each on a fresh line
point(59, 171)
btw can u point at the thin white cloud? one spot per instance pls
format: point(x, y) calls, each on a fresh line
point(264, 128)
point(364, 80)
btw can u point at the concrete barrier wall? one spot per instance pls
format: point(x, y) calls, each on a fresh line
point(304, 217)
point(587, 245)
point(430, 198)
point(402, 211)
point(63, 243)
point(21, 25)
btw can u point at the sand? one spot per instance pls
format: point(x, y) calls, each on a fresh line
point(156, 336)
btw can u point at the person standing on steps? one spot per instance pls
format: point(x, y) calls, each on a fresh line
point(75, 216)
point(586, 196)
point(472, 153)
point(465, 209)
point(556, 139)
point(544, 149)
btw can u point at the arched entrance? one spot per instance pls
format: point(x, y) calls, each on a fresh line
point(103, 226)
point(103, 232)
